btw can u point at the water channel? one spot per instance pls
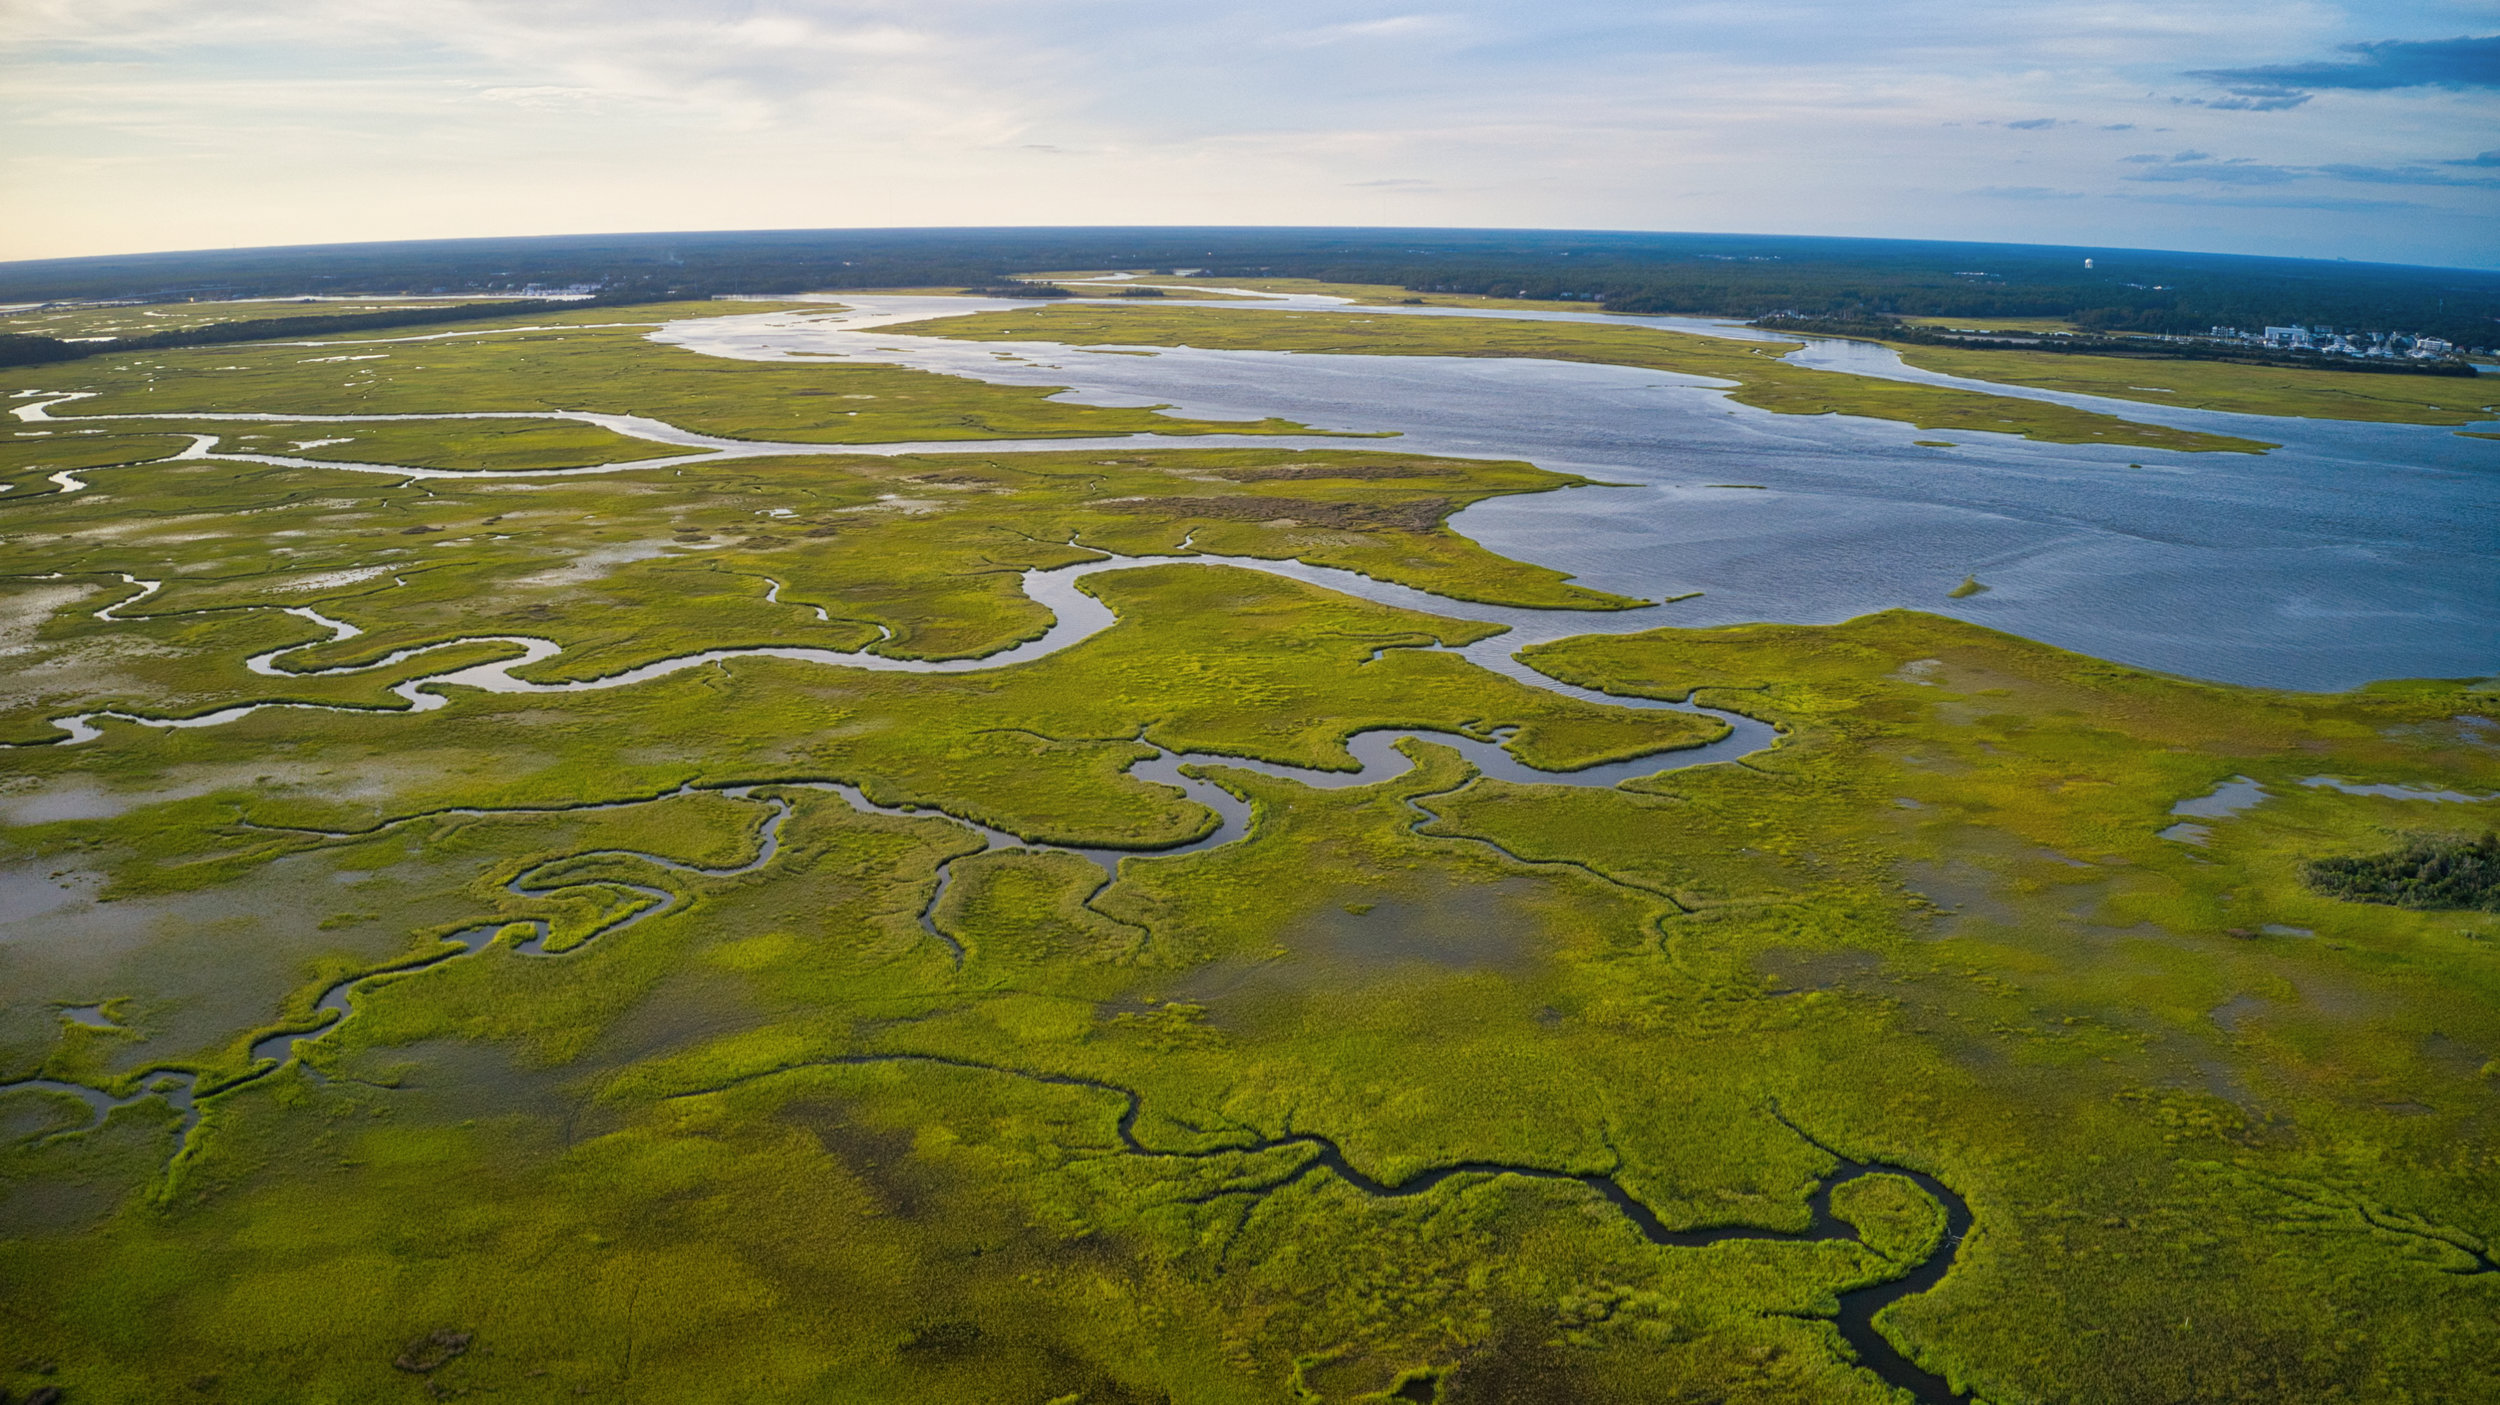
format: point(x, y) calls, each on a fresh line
point(2351, 553)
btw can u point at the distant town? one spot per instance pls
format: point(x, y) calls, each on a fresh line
point(2327, 341)
point(2408, 353)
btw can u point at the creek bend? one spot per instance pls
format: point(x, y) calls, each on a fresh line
point(1076, 617)
point(1858, 1304)
point(1379, 759)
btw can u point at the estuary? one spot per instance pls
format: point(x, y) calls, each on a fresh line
point(2352, 552)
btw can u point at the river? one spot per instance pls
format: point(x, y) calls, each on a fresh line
point(2353, 552)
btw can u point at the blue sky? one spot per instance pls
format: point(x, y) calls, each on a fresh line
point(2368, 131)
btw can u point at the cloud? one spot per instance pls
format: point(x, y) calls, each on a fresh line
point(1394, 27)
point(544, 97)
point(310, 120)
point(2406, 175)
point(2339, 204)
point(2389, 63)
point(2249, 100)
point(2240, 172)
point(2488, 158)
point(2199, 166)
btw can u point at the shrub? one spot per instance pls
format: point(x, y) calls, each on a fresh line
point(2430, 871)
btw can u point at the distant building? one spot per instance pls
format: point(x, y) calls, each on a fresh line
point(2326, 341)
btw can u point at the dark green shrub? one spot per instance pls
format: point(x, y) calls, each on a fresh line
point(2430, 871)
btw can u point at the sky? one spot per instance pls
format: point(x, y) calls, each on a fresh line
point(2298, 127)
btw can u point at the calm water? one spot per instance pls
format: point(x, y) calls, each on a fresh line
point(2352, 553)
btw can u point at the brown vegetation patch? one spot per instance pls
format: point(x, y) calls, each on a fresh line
point(433, 1351)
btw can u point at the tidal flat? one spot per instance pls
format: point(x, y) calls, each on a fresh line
point(1140, 902)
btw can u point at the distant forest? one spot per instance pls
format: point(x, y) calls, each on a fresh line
point(17, 349)
point(1722, 275)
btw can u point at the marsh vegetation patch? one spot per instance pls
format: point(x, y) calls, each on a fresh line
point(1420, 930)
point(1454, 925)
point(2428, 871)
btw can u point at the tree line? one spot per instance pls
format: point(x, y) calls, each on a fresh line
point(19, 349)
point(1744, 276)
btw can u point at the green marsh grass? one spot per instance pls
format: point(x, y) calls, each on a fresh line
point(2226, 1138)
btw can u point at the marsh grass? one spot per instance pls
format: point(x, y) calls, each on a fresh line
point(590, 361)
point(2211, 385)
point(2225, 1136)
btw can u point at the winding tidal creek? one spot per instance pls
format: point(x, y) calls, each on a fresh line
point(1077, 616)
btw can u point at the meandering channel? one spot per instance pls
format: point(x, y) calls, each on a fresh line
point(1380, 760)
point(1076, 617)
point(1859, 1305)
point(707, 449)
point(1376, 752)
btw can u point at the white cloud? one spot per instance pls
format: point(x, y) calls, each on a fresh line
point(286, 120)
point(1390, 29)
point(542, 96)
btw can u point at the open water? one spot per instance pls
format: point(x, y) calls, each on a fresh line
point(2353, 552)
